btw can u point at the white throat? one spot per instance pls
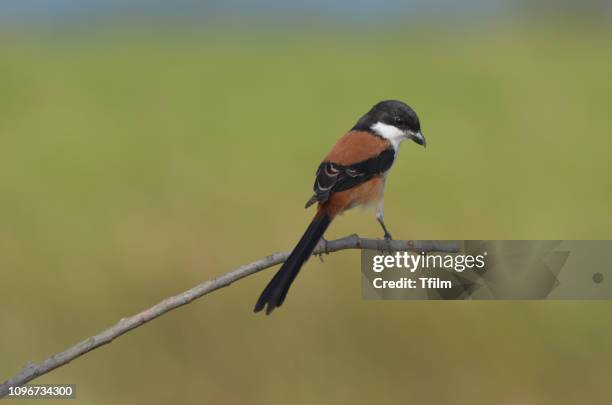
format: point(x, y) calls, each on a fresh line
point(389, 132)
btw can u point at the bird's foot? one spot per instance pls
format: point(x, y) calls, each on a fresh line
point(323, 246)
point(386, 246)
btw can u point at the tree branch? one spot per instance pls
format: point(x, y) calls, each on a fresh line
point(31, 371)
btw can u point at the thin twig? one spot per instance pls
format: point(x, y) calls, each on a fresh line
point(31, 371)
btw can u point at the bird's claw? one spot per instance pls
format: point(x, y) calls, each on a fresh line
point(323, 243)
point(387, 244)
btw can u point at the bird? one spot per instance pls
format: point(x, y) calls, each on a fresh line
point(352, 174)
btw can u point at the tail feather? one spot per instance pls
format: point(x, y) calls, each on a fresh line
point(275, 292)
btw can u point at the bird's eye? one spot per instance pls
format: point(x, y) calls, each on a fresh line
point(399, 121)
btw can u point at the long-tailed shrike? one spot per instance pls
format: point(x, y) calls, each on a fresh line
point(353, 173)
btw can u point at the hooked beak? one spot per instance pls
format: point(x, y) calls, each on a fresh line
point(418, 138)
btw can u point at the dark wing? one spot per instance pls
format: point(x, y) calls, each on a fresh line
point(332, 177)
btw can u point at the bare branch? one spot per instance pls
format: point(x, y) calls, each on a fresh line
point(32, 371)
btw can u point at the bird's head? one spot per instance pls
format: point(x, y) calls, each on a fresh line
point(393, 120)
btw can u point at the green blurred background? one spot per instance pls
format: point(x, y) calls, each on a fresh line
point(139, 159)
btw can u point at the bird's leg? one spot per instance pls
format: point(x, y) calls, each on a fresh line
point(380, 215)
point(380, 218)
point(387, 234)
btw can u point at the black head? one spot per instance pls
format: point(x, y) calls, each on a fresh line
point(392, 118)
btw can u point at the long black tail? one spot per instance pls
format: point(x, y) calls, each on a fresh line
point(275, 292)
